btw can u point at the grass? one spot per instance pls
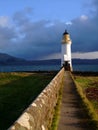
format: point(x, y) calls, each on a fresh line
point(86, 81)
point(56, 115)
point(90, 106)
point(17, 91)
point(55, 119)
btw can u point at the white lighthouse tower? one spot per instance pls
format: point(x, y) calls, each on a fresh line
point(66, 51)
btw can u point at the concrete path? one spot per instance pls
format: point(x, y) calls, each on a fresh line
point(72, 116)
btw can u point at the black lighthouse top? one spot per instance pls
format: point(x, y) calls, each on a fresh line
point(65, 32)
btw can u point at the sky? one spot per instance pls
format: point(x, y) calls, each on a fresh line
point(32, 29)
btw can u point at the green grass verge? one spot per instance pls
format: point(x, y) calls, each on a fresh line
point(17, 91)
point(88, 106)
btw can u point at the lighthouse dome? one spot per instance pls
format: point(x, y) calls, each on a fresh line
point(66, 38)
point(65, 32)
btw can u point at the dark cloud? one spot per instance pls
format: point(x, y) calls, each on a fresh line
point(6, 36)
point(36, 39)
point(41, 39)
point(84, 32)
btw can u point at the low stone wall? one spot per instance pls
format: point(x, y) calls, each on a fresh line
point(38, 116)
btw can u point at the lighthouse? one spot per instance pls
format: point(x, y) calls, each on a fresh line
point(66, 51)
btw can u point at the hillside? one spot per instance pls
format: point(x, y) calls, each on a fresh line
point(85, 61)
point(6, 59)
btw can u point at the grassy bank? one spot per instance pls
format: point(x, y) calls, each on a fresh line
point(17, 91)
point(87, 87)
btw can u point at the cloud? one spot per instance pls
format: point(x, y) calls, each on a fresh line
point(4, 21)
point(31, 39)
point(84, 32)
point(86, 55)
point(6, 36)
point(42, 39)
point(75, 55)
point(83, 18)
point(39, 38)
point(52, 56)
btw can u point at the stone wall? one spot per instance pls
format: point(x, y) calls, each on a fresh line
point(38, 116)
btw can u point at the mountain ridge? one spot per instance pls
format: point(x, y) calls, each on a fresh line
point(6, 59)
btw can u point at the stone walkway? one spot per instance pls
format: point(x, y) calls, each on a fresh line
point(72, 116)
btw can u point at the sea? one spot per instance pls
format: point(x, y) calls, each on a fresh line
point(76, 67)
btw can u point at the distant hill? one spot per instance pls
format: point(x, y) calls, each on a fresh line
point(85, 61)
point(74, 61)
point(6, 59)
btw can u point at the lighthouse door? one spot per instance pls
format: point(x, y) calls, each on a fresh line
point(66, 65)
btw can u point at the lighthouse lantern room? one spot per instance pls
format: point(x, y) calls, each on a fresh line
point(66, 51)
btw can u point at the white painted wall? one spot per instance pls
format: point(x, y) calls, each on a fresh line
point(66, 53)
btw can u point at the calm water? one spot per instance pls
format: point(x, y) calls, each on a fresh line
point(29, 68)
point(93, 68)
